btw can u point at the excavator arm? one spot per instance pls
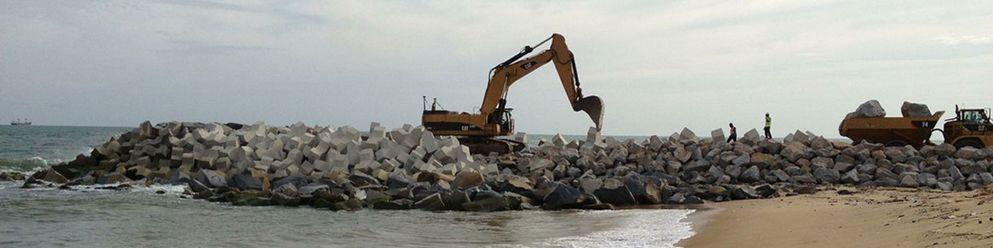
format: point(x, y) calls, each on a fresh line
point(507, 73)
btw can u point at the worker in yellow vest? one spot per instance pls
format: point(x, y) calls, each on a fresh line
point(768, 125)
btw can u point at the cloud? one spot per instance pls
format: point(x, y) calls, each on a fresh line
point(965, 39)
point(658, 65)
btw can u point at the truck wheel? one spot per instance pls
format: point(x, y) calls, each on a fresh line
point(974, 143)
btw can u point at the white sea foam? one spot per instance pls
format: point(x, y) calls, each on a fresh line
point(641, 228)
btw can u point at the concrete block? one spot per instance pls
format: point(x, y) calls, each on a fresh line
point(428, 142)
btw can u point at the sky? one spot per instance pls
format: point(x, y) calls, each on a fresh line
point(659, 66)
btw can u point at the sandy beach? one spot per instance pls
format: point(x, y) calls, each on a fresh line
point(850, 217)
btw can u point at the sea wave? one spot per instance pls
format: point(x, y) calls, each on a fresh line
point(26, 164)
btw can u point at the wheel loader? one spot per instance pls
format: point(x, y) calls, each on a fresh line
point(479, 131)
point(970, 127)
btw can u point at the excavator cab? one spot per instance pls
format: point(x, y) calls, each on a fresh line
point(970, 127)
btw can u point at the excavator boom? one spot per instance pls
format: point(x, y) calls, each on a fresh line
point(507, 73)
point(494, 118)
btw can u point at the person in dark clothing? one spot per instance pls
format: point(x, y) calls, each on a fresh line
point(768, 125)
point(734, 134)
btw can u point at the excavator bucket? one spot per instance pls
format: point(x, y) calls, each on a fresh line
point(593, 106)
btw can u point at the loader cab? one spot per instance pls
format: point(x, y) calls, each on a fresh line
point(970, 127)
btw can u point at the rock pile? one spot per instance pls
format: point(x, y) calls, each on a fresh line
point(408, 167)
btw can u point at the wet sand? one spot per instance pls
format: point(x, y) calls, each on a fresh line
point(866, 217)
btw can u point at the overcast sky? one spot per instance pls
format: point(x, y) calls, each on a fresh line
point(659, 66)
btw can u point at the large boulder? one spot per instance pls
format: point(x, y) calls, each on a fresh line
point(467, 178)
point(486, 201)
point(245, 182)
point(211, 178)
point(910, 109)
point(827, 176)
point(560, 196)
point(615, 192)
point(870, 108)
point(286, 195)
point(49, 175)
point(433, 202)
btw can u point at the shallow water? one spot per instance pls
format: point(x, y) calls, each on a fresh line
point(104, 218)
point(86, 217)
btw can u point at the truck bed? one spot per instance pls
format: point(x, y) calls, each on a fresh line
point(893, 131)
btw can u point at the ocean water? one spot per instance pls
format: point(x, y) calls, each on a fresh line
point(142, 217)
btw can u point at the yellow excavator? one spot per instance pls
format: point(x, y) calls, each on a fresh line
point(479, 131)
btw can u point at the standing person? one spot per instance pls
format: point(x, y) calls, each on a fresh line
point(734, 134)
point(768, 125)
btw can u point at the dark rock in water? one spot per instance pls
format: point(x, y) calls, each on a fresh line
point(398, 204)
point(77, 167)
point(486, 201)
point(615, 192)
point(116, 187)
point(560, 196)
point(347, 205)
point(454, 199)
point(245, 182)
point(297, 181)
point(325, 197)
point(515, 201)
point(113, 178)
point(212, 178)
point(50, 175)
point(11, 176)
point(310, 190)
point(198, 187)
point(286, 195)
point(376, 196)
point(433, 202)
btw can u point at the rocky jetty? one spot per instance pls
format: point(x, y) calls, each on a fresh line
point(409, 168)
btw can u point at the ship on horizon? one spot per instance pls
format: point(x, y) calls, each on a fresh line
point(20, 122)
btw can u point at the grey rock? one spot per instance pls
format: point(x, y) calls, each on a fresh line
point(560, 196)
point(851, 177)
point(743, 192)
point(433, 202)
point(870, 108)
point(825, 175)
point(750, 175)
point(245, 182)
point(615, 192)
point(910, 109)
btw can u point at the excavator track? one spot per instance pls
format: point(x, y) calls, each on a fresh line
point(482, 145)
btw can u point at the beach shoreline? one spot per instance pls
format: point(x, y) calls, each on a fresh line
point(849, 217)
